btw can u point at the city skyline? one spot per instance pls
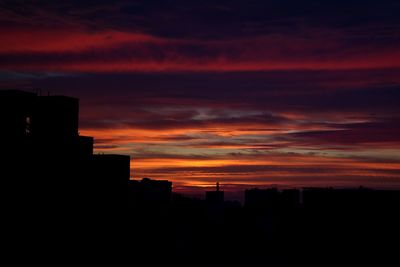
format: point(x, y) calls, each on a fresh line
point(266, 93)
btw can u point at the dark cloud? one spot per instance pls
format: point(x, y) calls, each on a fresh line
point(387, 130)
point(206, 19)
point(313, 92)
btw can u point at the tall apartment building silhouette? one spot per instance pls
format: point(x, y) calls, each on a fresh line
point(47, 164)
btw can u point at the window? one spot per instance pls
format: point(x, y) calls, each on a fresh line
point(28, 125)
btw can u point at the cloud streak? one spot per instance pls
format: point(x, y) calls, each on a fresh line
point(69, 50)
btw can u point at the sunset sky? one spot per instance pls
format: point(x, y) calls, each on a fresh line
point(250, 93)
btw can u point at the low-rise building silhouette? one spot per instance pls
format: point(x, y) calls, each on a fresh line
point(148, 193)
point(215, 198)
point(350, 199)
point(261, 198)
point(111, 178)
point(271, 199)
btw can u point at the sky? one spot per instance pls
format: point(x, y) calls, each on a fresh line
point(249, 93)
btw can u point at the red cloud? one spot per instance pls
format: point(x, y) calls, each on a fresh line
point(114, 51)
point(64, 40)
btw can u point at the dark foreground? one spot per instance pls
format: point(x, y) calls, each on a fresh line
point(64, 205)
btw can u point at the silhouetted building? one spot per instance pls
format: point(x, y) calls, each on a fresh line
point(261, 198)
point(55, 117)
point(150, 193)
point(27, 114)
point(16, 108)
point(112, 169)
point(289, 199)
point(272, 199)
point(214, 198)
point(111, 175)
point(85, 146)
point(48, 164)
point(349, 199)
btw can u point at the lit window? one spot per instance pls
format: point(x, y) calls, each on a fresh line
point(28, 125)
